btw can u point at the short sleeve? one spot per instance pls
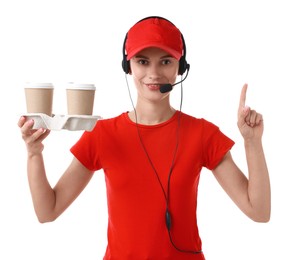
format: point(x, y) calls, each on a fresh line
point(87, 148)
point(215, 145)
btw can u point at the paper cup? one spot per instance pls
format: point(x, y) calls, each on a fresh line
point(80, 99)
point(39, 98)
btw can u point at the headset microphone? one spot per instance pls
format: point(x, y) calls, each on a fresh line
point(168, 87)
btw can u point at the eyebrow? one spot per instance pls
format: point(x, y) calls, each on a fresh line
point(145, 57)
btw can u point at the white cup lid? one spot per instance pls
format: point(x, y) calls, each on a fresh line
point(38, 85)
point(81, 86)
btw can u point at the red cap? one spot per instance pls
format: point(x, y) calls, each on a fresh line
point(154, 32)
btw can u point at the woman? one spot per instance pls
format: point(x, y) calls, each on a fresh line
point(152, 157)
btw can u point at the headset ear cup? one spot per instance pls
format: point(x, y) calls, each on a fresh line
point(182, 65)
point(125, 65)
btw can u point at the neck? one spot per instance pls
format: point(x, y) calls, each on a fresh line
point(152, 114)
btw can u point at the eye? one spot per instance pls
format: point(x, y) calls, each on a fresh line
point(142, 62)
point(166, 61)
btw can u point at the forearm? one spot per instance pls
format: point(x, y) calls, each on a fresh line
point(259, 183)
point(43, 196)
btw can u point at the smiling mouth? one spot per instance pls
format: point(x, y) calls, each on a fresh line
point(154, 86)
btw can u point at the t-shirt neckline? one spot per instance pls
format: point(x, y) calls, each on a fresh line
point(170, 120)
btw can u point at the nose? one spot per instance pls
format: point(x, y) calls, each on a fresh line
point(154, 72)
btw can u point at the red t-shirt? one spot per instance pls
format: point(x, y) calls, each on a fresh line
point(136, 202)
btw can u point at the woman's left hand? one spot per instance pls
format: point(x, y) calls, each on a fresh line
point(250, 123)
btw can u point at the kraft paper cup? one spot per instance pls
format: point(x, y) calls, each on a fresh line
point(80, 99)
point(39, 98)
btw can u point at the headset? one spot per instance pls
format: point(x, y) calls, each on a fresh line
point(183, 65)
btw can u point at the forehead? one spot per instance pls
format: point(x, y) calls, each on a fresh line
point(153, 51)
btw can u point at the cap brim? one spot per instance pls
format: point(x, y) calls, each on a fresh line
point(174, 53)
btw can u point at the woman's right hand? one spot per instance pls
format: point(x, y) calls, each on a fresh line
point(32, 137)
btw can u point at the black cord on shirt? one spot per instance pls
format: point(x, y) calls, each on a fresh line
point(168, 218)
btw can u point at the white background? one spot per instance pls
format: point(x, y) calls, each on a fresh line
point(228, 43)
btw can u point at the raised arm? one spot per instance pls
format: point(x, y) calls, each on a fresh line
point(50, 202)
point(253, 194)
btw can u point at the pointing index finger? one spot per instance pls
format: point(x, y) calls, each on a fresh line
point(243, 95)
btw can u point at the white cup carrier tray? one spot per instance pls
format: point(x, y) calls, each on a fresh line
point(59, 122)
